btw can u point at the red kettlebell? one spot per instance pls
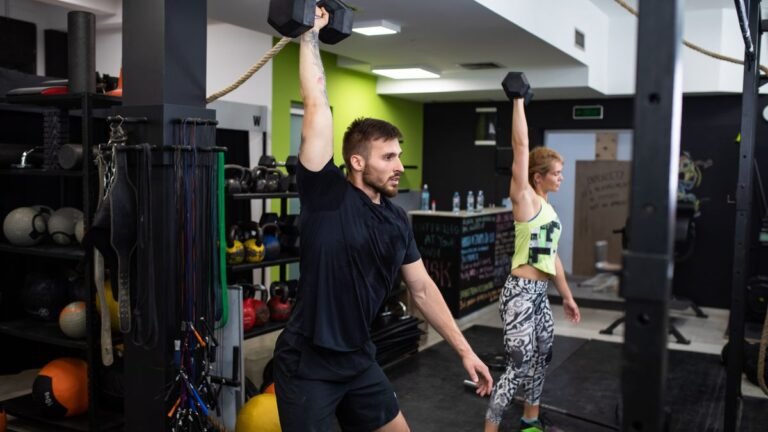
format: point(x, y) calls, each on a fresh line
point(255, 310)
point(280, 306)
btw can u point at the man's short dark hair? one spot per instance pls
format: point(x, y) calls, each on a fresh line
point(361, 132)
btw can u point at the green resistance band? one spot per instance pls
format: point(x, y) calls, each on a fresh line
point(222, 243)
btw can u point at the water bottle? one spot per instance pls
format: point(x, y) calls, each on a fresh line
point(470, 202)
point(456, 202)
point(480, 201)
point(425, 197)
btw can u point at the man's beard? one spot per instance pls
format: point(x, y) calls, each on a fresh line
point(380, 188)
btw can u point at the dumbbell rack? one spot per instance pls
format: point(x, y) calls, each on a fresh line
point(46, 337)
point(282, 262)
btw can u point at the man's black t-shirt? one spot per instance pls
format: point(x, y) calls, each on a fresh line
point(351, 253)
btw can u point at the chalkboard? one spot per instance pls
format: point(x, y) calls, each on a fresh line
point(467, 257)
point(438, 241)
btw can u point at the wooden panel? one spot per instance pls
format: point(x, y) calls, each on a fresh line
point(605, 145)
point(602, 205)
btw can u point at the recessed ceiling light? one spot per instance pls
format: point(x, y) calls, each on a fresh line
point(405, 73)
point(376, 28)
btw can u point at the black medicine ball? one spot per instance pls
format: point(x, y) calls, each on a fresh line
point(43, 297)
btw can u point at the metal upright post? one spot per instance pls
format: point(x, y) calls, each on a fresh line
point(164, 64)
point(648, 262)
point(751, 32)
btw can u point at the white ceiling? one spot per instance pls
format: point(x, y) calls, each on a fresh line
point(442, 34)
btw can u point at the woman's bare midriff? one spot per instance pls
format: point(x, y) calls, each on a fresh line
point(526, 271)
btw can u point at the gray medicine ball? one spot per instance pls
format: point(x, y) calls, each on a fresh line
point(61, 225)
point(24, 226)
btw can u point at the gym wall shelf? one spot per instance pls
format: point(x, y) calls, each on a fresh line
point(40, 172)
point(282, 261)
point(26, 407)
point(87, 109)
point(271, 263)
point(46, 250)
point(249, 196)
point(45, 332)
point(67, 101)
point(262, 330)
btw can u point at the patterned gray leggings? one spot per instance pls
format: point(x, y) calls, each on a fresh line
point(528, 334)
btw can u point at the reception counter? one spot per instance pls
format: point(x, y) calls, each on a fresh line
point(467, 254)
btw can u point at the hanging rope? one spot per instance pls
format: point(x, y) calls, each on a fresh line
point(246, 76)
point(695, 47)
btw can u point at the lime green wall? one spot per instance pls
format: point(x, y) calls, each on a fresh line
point(351, 94)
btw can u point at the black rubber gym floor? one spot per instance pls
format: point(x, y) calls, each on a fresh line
point(583, 380)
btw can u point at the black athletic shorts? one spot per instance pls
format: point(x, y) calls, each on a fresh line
point(363, 402)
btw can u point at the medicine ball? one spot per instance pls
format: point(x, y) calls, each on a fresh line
point(61, 225)
point(24, 226)
point(61, 388)
point(44, 210)
point(259, 414)
point(75, 284)
point(43, 297)
point(72, 320)
point(80, 230)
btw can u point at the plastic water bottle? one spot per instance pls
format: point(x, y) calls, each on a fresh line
point(456, 202)
point(470, 202)
point(480, 201)
point(425, 197)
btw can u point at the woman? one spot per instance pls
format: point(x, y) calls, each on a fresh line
point(524, 307)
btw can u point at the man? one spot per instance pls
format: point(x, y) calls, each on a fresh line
point(354, 242)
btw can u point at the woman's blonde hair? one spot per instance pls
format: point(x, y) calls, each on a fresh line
point(540, 161)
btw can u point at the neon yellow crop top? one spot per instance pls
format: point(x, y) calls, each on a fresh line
point(536, 240)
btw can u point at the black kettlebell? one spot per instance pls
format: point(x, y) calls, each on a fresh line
point(258, 179)
point(235, 249)
point(274, 180)
point(253, 241)
point(238, 179)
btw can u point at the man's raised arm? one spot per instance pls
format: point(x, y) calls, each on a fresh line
point(317, 130)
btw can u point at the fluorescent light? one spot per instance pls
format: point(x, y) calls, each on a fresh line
point(376, 28)
point(405, 73)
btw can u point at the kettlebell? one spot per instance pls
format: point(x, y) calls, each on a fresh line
point(235, 249)
point(280, 306)
point(238, 179)
point(255, 310)
point(274, 179)
point(258, 179)
point(253, 241)
point(271, 235)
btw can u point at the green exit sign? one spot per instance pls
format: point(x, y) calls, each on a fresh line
point(588, 112)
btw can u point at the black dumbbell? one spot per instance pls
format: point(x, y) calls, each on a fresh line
point(339, 22)
point(516, 86)
point(291, 18)
point(290, 163)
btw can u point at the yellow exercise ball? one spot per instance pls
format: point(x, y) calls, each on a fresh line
point(111, 303)
point(259, 414)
